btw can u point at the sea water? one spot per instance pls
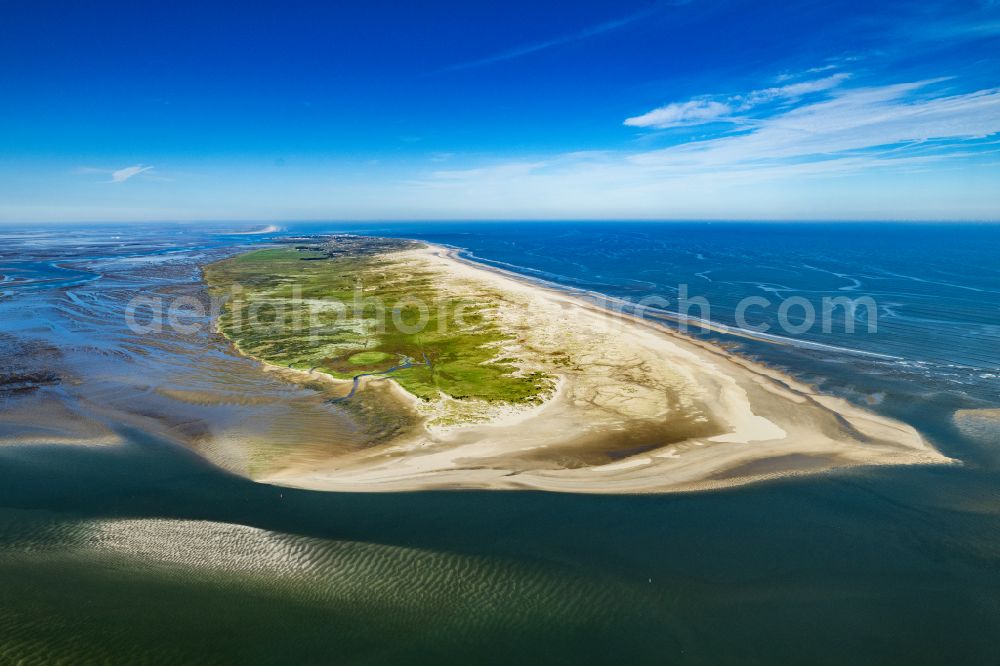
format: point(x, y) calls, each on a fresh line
point(142, 549)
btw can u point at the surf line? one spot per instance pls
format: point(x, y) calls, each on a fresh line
point(659, 315)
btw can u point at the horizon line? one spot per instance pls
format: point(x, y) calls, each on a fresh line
point(488, 220)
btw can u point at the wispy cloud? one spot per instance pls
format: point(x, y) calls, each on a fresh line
point(792, 90)
point(906, 129)
point(679, 114)
point(712, 109)
point(853, 120)
point(121, 175)
point(812, 70)
point(526, 49)
point(115, 175)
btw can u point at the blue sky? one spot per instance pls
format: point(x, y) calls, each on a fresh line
point(698, 109)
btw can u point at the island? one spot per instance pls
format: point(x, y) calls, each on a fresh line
point(465, 376)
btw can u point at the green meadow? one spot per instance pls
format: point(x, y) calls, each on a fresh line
point(346, 315)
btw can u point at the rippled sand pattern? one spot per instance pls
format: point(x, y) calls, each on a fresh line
point(345, 594)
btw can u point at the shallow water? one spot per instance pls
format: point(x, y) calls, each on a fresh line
point(136, 547)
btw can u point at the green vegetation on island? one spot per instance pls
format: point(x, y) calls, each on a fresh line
point(351, 306)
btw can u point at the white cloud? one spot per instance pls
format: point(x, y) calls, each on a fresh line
point(121, 175)
point(786, 76)
point(853, 120)
point(703, 110)
point(793, 90)
point(900, 132)
point(678, 114)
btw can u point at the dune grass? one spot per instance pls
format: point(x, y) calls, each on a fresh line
point(350, 315)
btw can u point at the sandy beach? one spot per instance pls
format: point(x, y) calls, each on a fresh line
point(636, 408)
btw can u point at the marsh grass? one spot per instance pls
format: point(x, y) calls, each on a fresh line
point(368, 314)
